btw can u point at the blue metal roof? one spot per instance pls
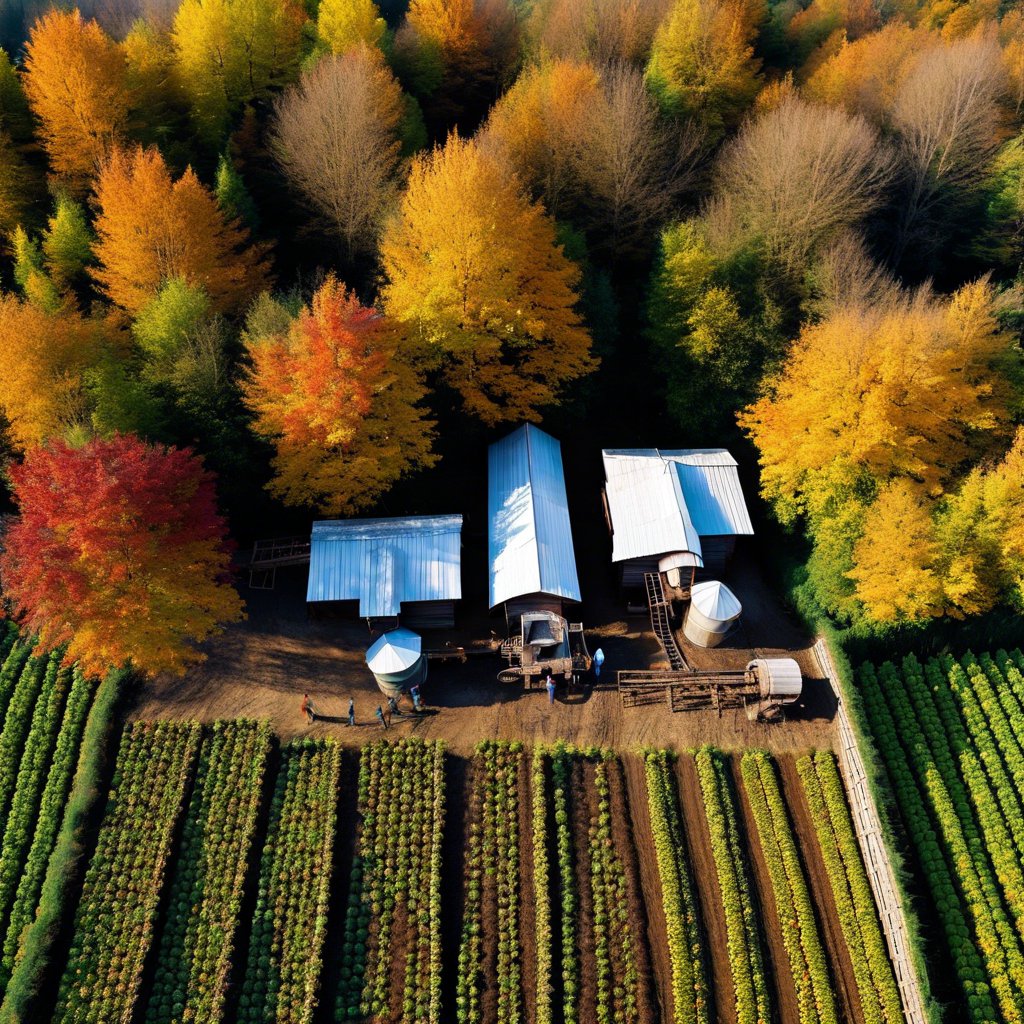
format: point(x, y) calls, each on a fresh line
point(529, 534)
point(385, 562)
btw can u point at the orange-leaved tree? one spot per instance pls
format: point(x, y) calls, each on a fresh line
point(151, 228)
point(474, 271)
point(339, 404)
point(76, 79)
point(119, 553)
point(47, 354)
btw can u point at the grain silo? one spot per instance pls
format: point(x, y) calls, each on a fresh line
point(397, 661)
point(712, 612)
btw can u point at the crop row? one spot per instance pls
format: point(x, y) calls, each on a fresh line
point(541, 887)
point(561, 794)
point(492, 881)
point(289, 923)
point(793, 903)
point(851, 890)
point(44, 780)
point(114, 921)
point(618, 979)
point(947, 797)
point(195, 949)
point(960, 922)
point(744, 945)
point(678, 894)
point(396, 886)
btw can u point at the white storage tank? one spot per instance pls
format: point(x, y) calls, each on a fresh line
point(713, 611)
point(779, 679)
point(397, 661)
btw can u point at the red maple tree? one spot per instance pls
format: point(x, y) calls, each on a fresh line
point(119, 553)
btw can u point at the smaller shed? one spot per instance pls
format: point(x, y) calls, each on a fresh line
point(397, 661)
point(404, 568)
point(713, 611)
point(532, 560)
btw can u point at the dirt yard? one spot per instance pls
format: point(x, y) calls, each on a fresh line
point(261, 668)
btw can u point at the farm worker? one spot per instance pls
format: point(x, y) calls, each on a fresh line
point(551, 689)
point(415, 694)
point(598, 662)
point(351, 711)
point(393, 706)
point(380, 717)
point(308, 709)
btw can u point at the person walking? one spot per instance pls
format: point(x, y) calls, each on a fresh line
point(308, 709)
point(393, 707)
point(380, 717)
point(351, 711)
point(415, 694)
point(551, 689)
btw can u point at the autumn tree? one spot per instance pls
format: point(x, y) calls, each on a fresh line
point(230, 52)
point(339, 403)
point(344, 24)
point(119, 554)
point(473, 271)
point(76, 81)
point(67, 242)
point(336, 137)
point(159, 113)
point(47, 353)
point(881, 403)
point(592, 146)
point(799, 175)
point(151, 228)
point(16, 180)
point(602, 31)
point(702, 62)
point(948, 117)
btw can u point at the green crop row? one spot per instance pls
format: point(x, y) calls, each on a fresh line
point(289, 923)
point(115, 918)
point(959, 926)
point(793, 903)
point(561, 786)
point(44, 777)
point(678, 894)
point(492, 877)
point(618, 978)
point(541, 887)
point(744, 944)
point(396, 876)
point(855, 902)
point(195, 951)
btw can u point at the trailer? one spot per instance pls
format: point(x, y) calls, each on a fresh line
point(763, 689)
point(544, 644)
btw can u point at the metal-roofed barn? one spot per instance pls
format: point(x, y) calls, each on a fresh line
point(669, 509)
point(532, 561)
point(405, 568)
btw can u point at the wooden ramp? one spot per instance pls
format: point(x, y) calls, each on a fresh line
point(661, 620)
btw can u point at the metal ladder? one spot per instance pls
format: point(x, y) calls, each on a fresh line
point(661, 620)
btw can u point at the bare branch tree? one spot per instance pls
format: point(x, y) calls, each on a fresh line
point(949, 120)
point(845, 276)
point(335, 136)
point(800, 174)
point(597, 30)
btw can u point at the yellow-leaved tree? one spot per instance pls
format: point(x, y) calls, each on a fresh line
point(875, 414)
point(232, 51)
point(474, 271)
point(343, 24)
point(47, 354)
point(151, 228)
point(76, 81)
point(338, 401)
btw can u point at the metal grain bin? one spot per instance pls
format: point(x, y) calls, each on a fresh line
point(397, 661)
point(713, 611)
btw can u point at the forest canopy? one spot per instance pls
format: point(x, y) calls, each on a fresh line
point(318, 244)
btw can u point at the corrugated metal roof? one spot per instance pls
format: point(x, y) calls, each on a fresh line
point(383, 562)
point(659, 500)
point(644, 495)
point(529, 534)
